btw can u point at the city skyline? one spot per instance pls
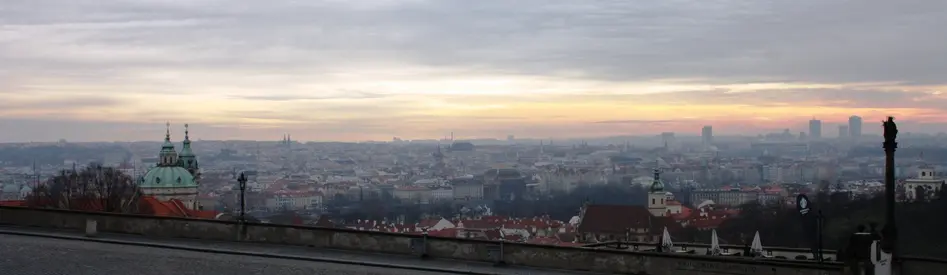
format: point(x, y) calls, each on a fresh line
point(373, 70)
point(176, 131)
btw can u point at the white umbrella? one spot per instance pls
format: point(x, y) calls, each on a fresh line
point(714, 243)
point(666, 243)
point(756, 247)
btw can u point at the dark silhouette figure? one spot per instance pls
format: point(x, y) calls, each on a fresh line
point(859, 251)
point(873, 229)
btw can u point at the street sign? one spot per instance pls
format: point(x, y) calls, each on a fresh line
point(803, 204)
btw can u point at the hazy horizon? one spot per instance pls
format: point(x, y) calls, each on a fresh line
point(116, 70)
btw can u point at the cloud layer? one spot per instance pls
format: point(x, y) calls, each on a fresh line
point(373, 69)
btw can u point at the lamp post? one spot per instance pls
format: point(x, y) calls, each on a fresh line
point(889, 232)
point(243, 189)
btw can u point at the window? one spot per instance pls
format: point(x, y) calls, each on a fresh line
point(652, 201)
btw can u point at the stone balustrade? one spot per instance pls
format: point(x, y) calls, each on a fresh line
point(529, 255)
point(789, 253)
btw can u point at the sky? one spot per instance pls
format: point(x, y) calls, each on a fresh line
point(118, 70)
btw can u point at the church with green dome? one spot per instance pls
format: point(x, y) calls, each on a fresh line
point(657, 197)
point(176, 176)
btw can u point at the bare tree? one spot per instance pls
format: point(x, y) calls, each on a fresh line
point(94, 188)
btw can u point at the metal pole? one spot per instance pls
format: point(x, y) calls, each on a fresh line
point(424, 244)
point(889, 232)
point(500, 261)
point(820, 220)
point(243, 188)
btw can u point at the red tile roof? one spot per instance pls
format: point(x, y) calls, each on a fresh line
point(427, 223)
point(614, 219)
point(12, 203)
point(173, 208)
point(706, 223)
point(447, 233)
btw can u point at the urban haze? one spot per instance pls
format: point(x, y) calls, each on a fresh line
point(807, 136)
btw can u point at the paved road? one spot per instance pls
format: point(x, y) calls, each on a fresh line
point(23, 255)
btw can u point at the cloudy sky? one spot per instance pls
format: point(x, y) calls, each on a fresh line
point(374, 69)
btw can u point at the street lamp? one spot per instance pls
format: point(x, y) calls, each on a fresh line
point(243, 189)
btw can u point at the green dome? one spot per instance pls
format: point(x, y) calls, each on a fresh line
point(657, 185)
point(186, 152)
point(167, 176)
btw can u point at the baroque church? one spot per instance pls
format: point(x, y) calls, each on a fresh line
point(176, 176)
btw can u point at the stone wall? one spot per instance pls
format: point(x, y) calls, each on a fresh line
point(564, 258)
point(702, 249)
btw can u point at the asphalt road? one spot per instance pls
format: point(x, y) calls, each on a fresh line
point(22, 255)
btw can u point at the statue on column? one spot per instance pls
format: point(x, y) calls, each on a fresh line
point(890, 130)
point(882, 251)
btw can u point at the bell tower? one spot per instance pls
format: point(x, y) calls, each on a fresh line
point(657, 197)
point(168, 156)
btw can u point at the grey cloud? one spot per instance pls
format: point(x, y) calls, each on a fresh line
point(68, 102)
point(722, 41)
point(332, 96)
point(842, 97)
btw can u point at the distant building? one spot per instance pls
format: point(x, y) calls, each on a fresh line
point(707, 135)
point(855, 126)
point(669, 141)
point(736, 196)
point(843, 131)
point(467, 189)
point(926, 180)
point(815, 129)
point(504, 184)
point(460, 146)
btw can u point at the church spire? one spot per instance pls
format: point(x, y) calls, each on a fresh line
point(186, 144)
point(167, 155)
point(186, 158)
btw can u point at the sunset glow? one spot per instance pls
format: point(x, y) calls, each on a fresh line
point(331, 70)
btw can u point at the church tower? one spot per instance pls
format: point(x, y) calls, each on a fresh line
point(170, 180)
point(657, 197)
point(168, 156)
point(187, 159)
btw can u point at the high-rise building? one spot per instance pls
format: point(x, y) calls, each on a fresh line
point(815, 129)
point(843, 131)
point(855, 126)
point(670, 143)
point(707, 135)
